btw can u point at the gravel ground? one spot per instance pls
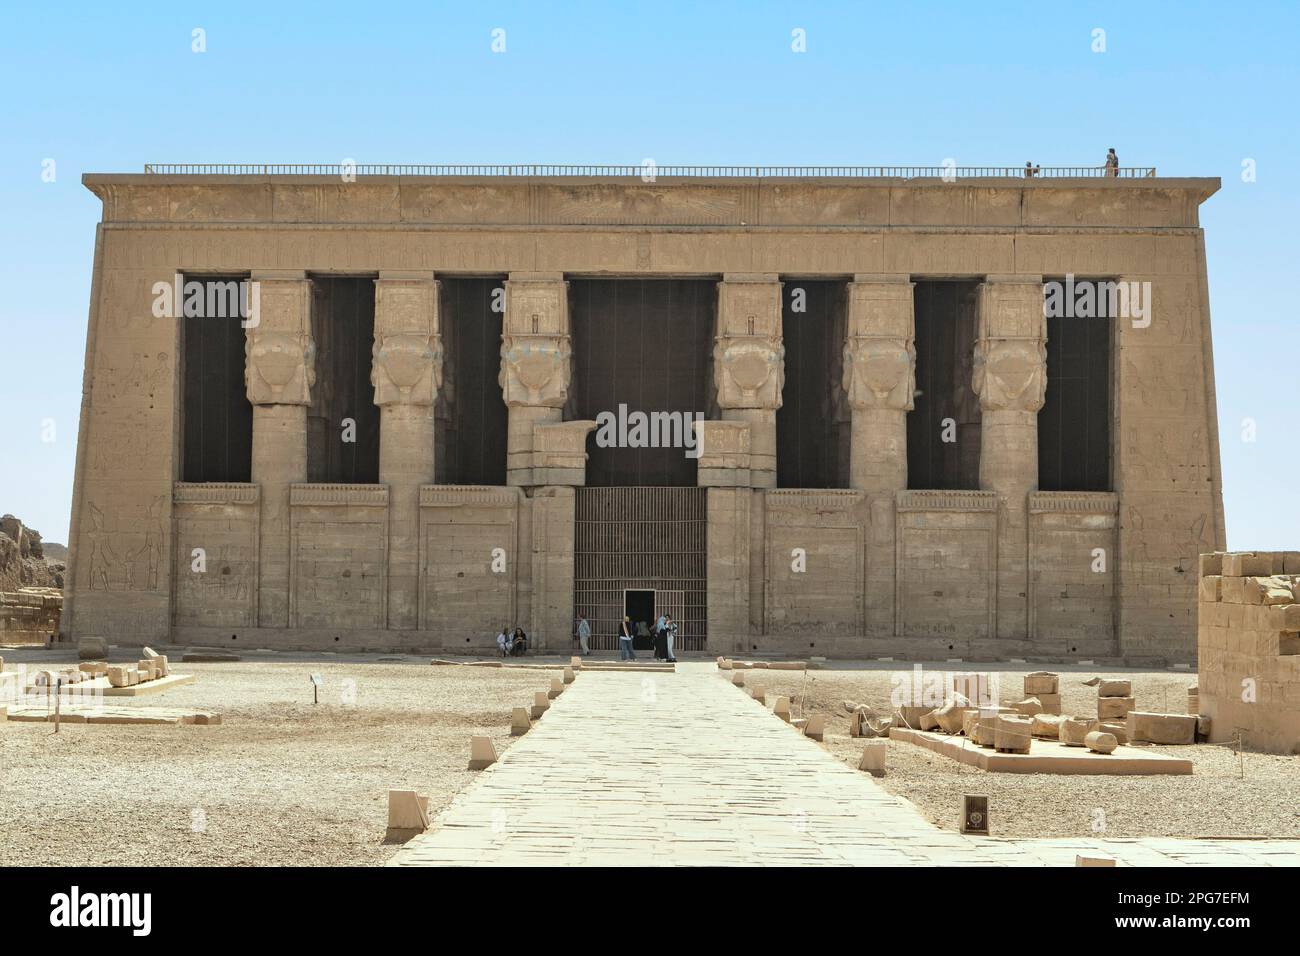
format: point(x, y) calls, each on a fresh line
point(280, 782)
point(1256, 795)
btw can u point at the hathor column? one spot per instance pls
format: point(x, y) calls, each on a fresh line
point(749, 365)
point(1010, 379)
point(279, 371)
point(536, 358)
point(407, 372)
point(880, 379)
point(543, 452)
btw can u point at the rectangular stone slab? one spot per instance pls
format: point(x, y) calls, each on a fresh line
point(1048, 756)
point(1162, 728)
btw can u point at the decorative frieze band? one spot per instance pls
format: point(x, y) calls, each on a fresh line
point(215, 493)
point(947, 501)
point(1084, 502)
point(821, 499)
point(329, 494)
point(443, 496)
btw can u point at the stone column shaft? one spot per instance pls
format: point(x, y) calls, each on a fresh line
point(880, 379)
point(406, 370)
point(536, 364)
point(749, 365)
point(279, 372)
point(1010, 378)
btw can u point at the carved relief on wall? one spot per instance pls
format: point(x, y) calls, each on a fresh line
point(407, 367)
point(880, 372)
point(750, 371)
point(279, 367)
point(1010, 374)
point(126, 556)
point(535, 369)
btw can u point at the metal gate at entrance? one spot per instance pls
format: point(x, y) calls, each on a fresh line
point(632, 540)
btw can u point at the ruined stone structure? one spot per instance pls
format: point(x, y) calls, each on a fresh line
point(1249, 649)
point(869, 432)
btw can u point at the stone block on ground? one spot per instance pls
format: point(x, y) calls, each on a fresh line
point(1081, 860)
point(557, 688)
point(481, 753)
point(569, 677)
point(986, 727)
point(1045, 725)
point(1011, 734)
point(1161, 728)
point(910, 716)
point(950, 716)
point(541, 704)
point(1100, 742)
point(738, 678)
point(781, 707)
point(117, 676)
point(150, 653)
point(407, 811)
point(815, 727)
point(724, 664)
point(1041, 682)
point(1073, 731)
point(1027, 707)
point(873, 758)
point(1051, 703)
point(1110, 687)
point(758, 694)
point(1109, 708)
point(92, 648)
point(519, 721)
point(1116, 728)
point(929, 721)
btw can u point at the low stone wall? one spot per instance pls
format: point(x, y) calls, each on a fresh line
point(30, 615)
point(1249, 648)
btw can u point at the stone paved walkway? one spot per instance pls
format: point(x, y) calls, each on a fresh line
point(636, 769)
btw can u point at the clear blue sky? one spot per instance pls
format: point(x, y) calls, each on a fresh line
point(1190, 88)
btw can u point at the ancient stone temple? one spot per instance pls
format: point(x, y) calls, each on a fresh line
point(925, 413)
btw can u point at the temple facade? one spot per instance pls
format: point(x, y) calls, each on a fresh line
point(918, 414)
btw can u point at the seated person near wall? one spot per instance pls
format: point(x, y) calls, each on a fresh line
point(503, 640)
point(518, 642)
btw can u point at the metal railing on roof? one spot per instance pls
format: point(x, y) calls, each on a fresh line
point(650, 172)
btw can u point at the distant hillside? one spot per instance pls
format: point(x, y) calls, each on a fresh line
point(24, 560)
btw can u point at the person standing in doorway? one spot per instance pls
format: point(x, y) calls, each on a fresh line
point(670, 632)
point(584, 635)
point(661, 639)
point(625, 641)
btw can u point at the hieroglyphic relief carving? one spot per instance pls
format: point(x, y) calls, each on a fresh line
point(1010, 374)
point(407, 368)
point(126, 558)
point(880, 372)
point(407, 356)
point(536, 349)
point(535, 369)
point(280, 367)
point(750, 371)
point(279, 352)
point(748, 352)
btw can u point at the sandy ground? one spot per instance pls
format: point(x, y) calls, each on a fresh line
point(1251, 795)
point(280, 782)
point(284, 782)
